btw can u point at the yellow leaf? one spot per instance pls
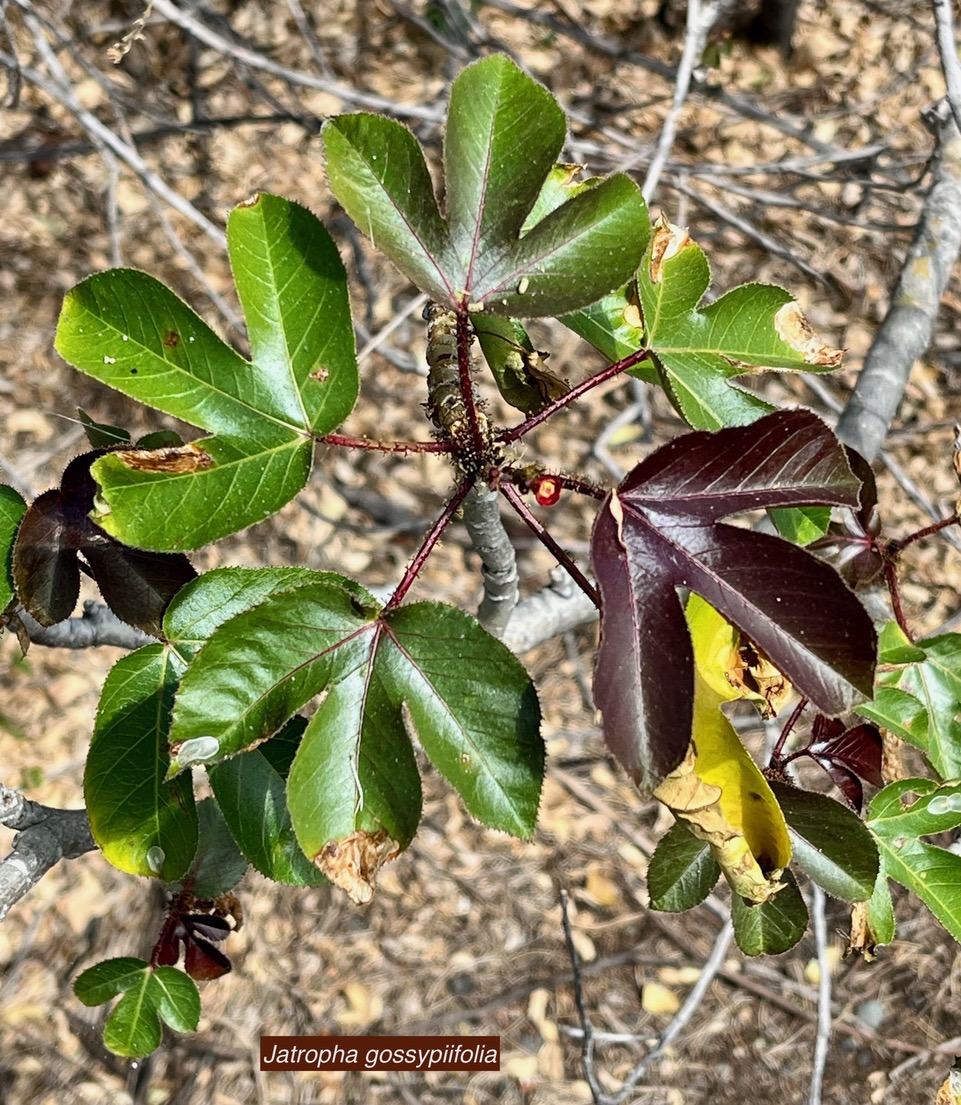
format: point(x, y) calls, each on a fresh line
point(718, 789)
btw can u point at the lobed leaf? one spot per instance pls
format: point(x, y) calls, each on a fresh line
point(899, 815)
point(660, 531)
point(128, 330)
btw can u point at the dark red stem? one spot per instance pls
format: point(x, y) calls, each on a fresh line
point(776, 759)
point(522, 428)
point(415, 566)
point(464, 338)
point(891, 578)
point(894, 547)
point(512, 495)
point(384, 446)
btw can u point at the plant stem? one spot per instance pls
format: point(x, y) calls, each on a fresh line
point(522, 428)
point(776, 759)
point(891, 578)
point(416, 565)
point(512, 495)
point(348, 442)
point(896, 546)
point(464, 338)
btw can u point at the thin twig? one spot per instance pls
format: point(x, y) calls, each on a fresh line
point(823, 1038)
point(701, 18)
point(587, 1029)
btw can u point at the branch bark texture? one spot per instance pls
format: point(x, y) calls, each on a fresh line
point(906, 331)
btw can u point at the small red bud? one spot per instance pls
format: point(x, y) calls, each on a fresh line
point(547, 490)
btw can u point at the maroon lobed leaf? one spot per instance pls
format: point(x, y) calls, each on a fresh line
point(57, 529)
point(851, 545)
point(661, 532)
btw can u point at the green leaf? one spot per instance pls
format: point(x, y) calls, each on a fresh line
point(682, 871)
point(293, 288)
point(104, 981)
point(881, 911)
point(801, 524)
point(216, 596)
point(377, 171)
point(101, 435)
point(178, 999)
point(612, 327)
point(12, 509)
point(829, 843)
point(697, 351)
point(895, 647)
point(773, 927)
point(504, 131)
point(920, 701)
point(218, 864)
point(899, 815)
point(142, 824)
point(128, 330)
point(355, 769)
point(250, 791)
point(469, 701)
point(133, 1028)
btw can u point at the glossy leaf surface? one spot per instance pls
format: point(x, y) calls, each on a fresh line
point(478, 254)
point(143, 824)
point(660, 531)
point(899, 817)
point(128, 330)
point(830, 844)
point(920, 701)
point(426, 666)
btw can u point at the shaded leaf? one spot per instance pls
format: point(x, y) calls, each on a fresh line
point(101, 435)
point(178, 1000)
point(218, 864)
point(660, 531)
point(682, 871)
point(773, 927)
point(830, 844)
point(851, 544)
point(12, 510)
point(251, 793)
point(141, 823)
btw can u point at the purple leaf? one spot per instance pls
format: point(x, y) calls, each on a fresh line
point(203, 962)
point(844, 779)
point(851, 545)
point(859, 749)
point(661, 532)
point(135, 584)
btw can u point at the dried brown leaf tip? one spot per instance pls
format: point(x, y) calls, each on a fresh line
point(353, 863)
point(179, 460)
point(794, 328)
point(668, 240)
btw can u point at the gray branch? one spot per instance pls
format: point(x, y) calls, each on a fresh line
point(45, 836)
point(99, 625)
point(482, 517)
point(555, 609)
point(906, 331)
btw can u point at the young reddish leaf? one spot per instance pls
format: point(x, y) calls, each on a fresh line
point(135, 584)
point(859, 749)
point(660, 531)
point(203, 962)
